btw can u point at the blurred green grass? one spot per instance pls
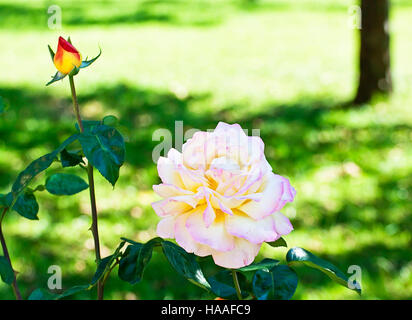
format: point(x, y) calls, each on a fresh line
point(286, 68)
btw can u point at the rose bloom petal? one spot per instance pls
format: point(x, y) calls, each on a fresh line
point(255, 231)
point(220, 196)
point(170, 190)
point(276, 193)
point(242, 255)
point(185, 240)
point(168, 173)
point(282, 224)
point(166, 227)
point(215, 236)
point(67, 57)
point(172, 206)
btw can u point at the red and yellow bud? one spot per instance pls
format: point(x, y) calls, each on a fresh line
point(67, 57)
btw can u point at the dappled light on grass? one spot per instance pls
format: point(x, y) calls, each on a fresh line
point(352, 167)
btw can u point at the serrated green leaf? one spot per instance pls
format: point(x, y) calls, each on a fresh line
point(70, 159)
point(42, 294)
point(6, 271)
point(278, 283)
point(130, 241)
point(129, 270)
point(265, 264)
point(185, 264)
point(135, 259)
point(299, 255)
point(102, 267)
point(285, 282)
point(110, 121)
point(88, 125)
point(106, 264)
point(71, 291)
point(222, 284)
point(65, 184)
point(104, 147)
point(38, 166)
point(278, 243)
point(263, 284)
point(34, 169)
point(40, 188)
point(26, 205)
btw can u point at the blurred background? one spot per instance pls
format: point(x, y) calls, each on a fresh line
point(289, 68)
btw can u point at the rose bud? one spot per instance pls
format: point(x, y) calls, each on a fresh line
point(67, 57)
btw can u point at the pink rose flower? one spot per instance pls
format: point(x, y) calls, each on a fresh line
point(220, 196)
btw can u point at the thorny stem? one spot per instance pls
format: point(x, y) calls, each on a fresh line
point(14, 285)
point(94, 228)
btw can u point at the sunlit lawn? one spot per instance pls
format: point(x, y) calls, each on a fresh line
point(287, 69)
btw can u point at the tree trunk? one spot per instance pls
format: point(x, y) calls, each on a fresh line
point(375, 73)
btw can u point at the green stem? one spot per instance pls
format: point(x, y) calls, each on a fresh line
point(237, 286)
point(14, 285)
point(108, 273)
point(76, 104)
point(94, 228)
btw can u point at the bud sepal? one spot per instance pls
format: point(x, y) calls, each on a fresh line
point(67, 60)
